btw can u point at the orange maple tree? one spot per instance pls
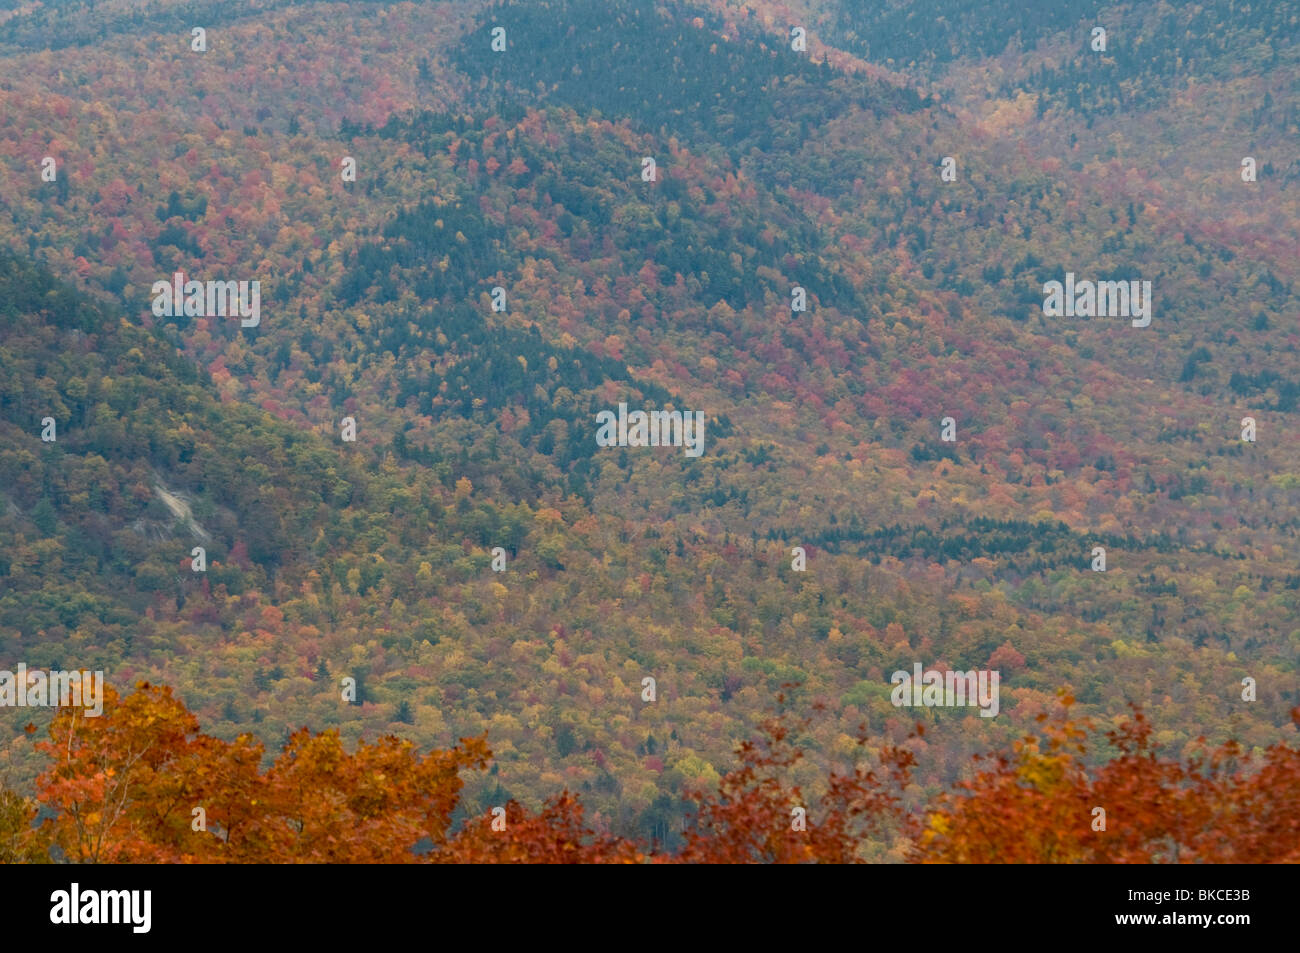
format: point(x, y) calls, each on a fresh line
point(1040, 804)
point(125, 787)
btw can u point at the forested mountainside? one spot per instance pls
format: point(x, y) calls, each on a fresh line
point(625, 205)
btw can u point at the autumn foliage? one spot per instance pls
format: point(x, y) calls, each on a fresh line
point(123, 788)
point(1037, 804)
point(750, 818)
point(375, 559)
point(557, 834)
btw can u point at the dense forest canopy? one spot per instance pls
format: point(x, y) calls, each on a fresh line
point(803, 267)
